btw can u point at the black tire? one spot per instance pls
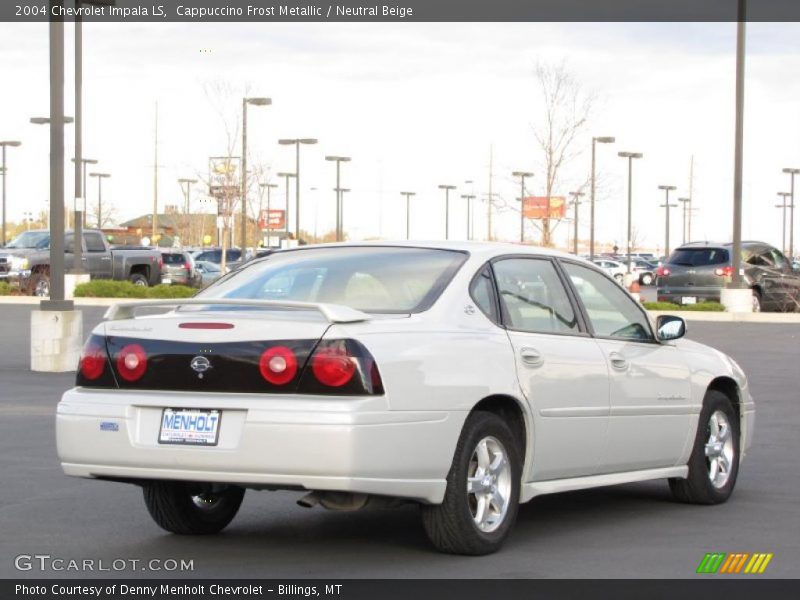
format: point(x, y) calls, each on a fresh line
point(758, 305)
point(697, 488)
point(40, 285)
point(173, 508)
point(450, 526)
point(139, 279)
point(647, 279)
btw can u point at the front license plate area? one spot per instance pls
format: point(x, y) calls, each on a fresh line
point(189, 427)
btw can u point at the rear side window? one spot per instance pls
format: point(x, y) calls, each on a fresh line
point(532, 297)
point(699, 257)
point(482, 291)
point(94, 242)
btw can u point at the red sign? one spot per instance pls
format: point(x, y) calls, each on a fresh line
point(535, 207)
point(272, 219)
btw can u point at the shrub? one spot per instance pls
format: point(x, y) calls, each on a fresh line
point(700, 306)
point(5, 288)
point(106, 288)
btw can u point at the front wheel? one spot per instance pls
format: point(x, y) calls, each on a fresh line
point(483, 486)
point(714, 462)
point(192, 508)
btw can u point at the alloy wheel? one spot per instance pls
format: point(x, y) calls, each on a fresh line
point(489, 484)
point(719, 449)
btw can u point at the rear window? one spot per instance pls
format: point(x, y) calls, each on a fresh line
point(699, 257)
point(173, 259)
point(378, 280)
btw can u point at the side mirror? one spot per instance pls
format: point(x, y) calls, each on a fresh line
point(670, 328)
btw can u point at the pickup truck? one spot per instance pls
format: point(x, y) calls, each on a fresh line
point(25, 261)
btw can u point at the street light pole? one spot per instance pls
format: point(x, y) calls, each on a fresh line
point(630, 156)
point(187, 192)
point(408, 211)
point(447, 189)
point(686, 205)
point(792, 172)
point(522, 175)
point(784, 206)
point(595, 141)
point(667, 189)
point(469, 198)
point(339, 216)
point(100, 177)
point(5, 144)
point(297, 142)
point(245, 102)
point(575, 203)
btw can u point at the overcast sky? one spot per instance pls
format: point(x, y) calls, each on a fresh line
point(417, 105)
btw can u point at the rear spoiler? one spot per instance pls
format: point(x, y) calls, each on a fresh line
point(335, 313)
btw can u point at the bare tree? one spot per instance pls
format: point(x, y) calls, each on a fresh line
point(566, 112)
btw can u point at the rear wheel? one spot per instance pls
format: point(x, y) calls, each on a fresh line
point(647, 279)
point(192, 508)
point(40, 285)
point(714, 462)
point(483, 485)
point(139, 279)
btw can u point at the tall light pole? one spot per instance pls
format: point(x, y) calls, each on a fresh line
point(447, 189)
point(100, 177)
point(340, 192)
point(686, 202)
point(784, 206)
point(297, 142)
point(186, 191)
point(630, 156)
point(6, 144)
point(595, 140)
point(667, 189)
point(522, 175)
point(576, 202)
point(243, 226)
point(287, 177)
point(81, 192)
point(469, 198)
point(792, 172)
point(338, 160)
point(470, 209)
point(408, 212)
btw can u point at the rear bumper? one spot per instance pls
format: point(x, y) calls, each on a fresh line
point(336, 444)
point(676, 294)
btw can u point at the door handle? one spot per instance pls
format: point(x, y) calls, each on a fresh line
point(619, 362)
point(531, 357)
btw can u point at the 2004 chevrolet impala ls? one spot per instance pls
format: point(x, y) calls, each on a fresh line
point(465, 377)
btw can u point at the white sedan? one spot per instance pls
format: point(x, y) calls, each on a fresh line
point(464, 377)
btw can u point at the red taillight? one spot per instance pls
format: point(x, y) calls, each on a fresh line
point(93, 362)
point(333, 365)
point(187, 266)
point(724, 271)
point(278, 365)
point(663, 272)
point(132, 362)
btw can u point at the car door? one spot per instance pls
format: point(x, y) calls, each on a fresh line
point(790, 280)
point(650, 399)
point(97, 257)
point(561, 370)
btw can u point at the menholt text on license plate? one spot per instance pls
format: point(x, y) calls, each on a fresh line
point(189, 426)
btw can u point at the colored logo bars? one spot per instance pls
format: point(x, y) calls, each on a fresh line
point(734, 563)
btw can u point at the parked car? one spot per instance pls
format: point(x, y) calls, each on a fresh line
point(179, 268)
point(614, 268)
point(698, 271)
point(233, 257)
point(646, 271)
point(25, 261)
point(464, 377)
point(209, 272)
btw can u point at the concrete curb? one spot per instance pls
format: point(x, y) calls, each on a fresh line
point(688, 315)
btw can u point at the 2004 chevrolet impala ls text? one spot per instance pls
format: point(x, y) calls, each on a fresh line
point(465, 377)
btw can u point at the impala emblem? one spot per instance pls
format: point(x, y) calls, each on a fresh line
point(200, 364)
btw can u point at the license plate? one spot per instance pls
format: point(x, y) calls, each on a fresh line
point(196, 427)
point(166, 280)
point(689, 300)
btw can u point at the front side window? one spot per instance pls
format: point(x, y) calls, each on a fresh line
point(612, 313)
point(532, 297)
point(371, 279)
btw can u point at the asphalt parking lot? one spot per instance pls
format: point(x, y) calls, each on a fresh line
point(620, 532)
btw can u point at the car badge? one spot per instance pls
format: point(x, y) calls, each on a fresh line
point(200, 364)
